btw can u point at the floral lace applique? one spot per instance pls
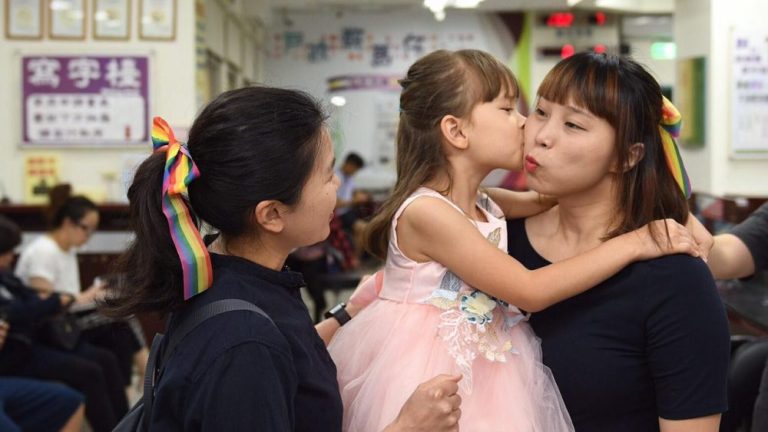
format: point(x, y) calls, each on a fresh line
point(474, 324)
point(477, 327)
point(446, 296)
point(477, 307)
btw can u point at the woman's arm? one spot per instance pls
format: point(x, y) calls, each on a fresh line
point(44, 287)
point(328, 327)
point(367, 291)
point(730, 258)
point(34, 310)
point(436, 231)
point(701, 424)
point(520, 204)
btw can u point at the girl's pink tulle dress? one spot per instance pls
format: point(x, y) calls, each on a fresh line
point(427, 322)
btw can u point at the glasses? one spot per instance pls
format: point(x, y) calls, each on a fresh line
point(86, 228)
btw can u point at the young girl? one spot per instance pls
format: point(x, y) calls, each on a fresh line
point(450, 295)
point(258, 169)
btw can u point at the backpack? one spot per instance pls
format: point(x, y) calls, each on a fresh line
point(138, 417)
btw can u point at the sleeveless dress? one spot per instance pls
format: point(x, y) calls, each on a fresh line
point(426, 322)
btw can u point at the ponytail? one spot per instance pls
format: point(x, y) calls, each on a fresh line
point(150, 268)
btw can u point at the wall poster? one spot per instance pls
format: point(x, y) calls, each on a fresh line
point(749, 94)
point(85, 101)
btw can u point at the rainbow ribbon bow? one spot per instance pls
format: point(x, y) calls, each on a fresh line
point(671, 123)
point(180, 171)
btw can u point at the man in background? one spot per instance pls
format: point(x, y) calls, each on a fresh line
point(738, 254)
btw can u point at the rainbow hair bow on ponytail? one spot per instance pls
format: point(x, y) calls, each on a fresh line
point(671, 123)
point(180, 171)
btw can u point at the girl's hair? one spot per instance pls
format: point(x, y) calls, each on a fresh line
point(622, 92)
point(62, 205)
point(250, 145)
point(438, 84)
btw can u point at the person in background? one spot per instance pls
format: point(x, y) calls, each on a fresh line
point(91, 370)
point(35, 406)
point(350, 199)
point(348, 195)
point(258, 170)
point(49, 264)
point(740, 254)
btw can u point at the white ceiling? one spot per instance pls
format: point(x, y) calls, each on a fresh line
point(640, 6)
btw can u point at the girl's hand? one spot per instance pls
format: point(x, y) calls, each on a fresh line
point(664, 237)
point(367, 291)
point(700, 234)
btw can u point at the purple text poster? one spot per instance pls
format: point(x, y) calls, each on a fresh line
point(85, 100)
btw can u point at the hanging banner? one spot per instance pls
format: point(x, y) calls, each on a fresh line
point(749, 94)
point(85, 100)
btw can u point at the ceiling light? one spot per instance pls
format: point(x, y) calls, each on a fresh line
point(466, 4)
point(339, 101)
point(438, 6)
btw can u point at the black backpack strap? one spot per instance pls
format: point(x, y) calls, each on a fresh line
point(187, 324)
point(194, 319)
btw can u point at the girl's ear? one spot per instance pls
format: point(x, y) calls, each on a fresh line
point(452, 129)
point(269, 215)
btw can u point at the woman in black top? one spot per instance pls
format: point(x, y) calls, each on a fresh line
point(647, 349)
point(262, 164)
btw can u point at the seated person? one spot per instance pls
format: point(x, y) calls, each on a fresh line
point(92, 371)
point(347, 198)
point(350, 199)
point(49, 264)
point(36, 406)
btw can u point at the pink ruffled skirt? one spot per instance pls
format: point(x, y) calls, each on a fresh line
point(390, 348)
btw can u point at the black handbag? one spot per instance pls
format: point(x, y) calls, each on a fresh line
point(61, 331)
point(137, 418)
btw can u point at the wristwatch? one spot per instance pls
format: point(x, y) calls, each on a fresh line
point(339, 312)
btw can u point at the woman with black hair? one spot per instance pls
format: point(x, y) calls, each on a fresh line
point(647, 349)
point(49, 265)
point(258, 170)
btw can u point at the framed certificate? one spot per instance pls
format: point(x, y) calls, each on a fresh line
point(157, 20)
point(24, 19)
point(66, 19)
point(112, 19)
